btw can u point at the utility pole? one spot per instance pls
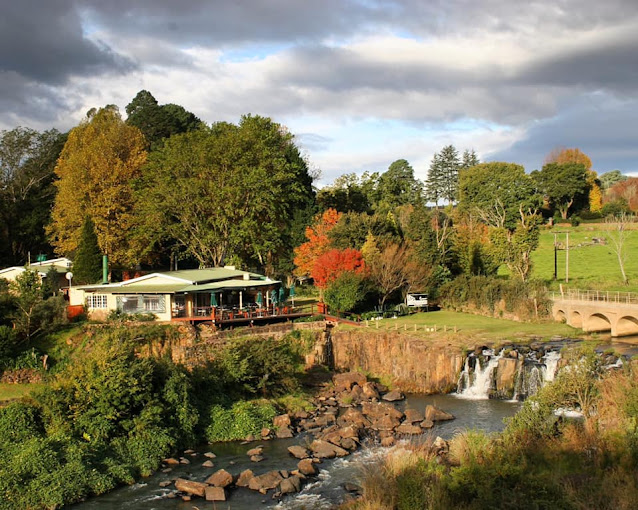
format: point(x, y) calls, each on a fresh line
point(567, 258)
point(555, 258)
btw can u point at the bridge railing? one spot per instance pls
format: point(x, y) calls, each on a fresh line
point(597, 295)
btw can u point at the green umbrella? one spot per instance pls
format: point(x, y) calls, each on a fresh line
point(291, 294)
point(260, 299)
point(213, 299)
point(282, 295)
point(273, 296)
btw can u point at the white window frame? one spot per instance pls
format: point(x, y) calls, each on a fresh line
point(97, 301)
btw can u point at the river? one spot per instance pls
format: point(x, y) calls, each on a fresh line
point(324, 491)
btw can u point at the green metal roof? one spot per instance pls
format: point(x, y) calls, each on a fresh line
point(209, 274)
point(229, 285)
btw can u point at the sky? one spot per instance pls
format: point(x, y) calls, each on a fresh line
point(360, 83)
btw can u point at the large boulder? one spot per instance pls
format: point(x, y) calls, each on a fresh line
point(298, 451)
point(244, 478)
point(190, 487)
point(413, 416)
point(221, 478)
point(215, 494)
point(307, 467)
point(258, 450)
point(393, 396)
point(284, 433)
point(265, 482)
point(370, 391)
point(325, 450)
point(409, 429)
point(426, 424)
point(283, 420)
point(506, 371)
point(376, 410)
point(290, 485)
point(345, 382)
point(353, 417)
point(386, 422)
point(433, 413)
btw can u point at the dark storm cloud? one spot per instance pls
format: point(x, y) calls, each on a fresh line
point(597, 124)
point(44, 42)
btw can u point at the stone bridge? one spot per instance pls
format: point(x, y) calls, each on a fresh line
point(593, 311)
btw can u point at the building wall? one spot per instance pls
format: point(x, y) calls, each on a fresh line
point(78, 297)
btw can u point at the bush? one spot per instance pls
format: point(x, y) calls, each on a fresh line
point(574, 221)
point(240, 420)
point(346, 292)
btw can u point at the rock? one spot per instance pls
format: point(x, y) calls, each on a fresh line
point(284, 473)
point(356, 392)
point(265, 432)
point(266, 481)
point(426, 424)
point(369, 390)
point(208, 464)
point(283, 420)
point(301, 415)
point(393, 396)
point(435, 414)
point(186, 498)
point(249, 439)
point(345, 382)
point(351, 487)
point(255, 451)
point(376, 410)
point(210, 455)
point(348, 443)
point(353, 417)
point(190, 487)
point(171, 495)
point(182, 460)
point(408, 428)
point(171, 461)
point(284, 433)
point(221, 478)
point(215, 494)
point(326, 450)
point(386, 422)
point(256, 458)
point(506, 371)
point(307, 467)
point(189, 452)
point(413, 416)
point(290, 485)
point(244, 478)
point(298, 451)
point(167, 470)
point(166, 483)
point(440, 446)
point(388, 441)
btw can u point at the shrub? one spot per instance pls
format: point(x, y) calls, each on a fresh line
point(242, 419)
point(345, 292)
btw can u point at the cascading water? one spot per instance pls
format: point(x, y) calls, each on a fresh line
point(516, 377)
point(477, 383)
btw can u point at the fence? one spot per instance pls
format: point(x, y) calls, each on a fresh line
point(628, 298)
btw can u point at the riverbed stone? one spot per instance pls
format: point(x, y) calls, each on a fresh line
point(256, 458)
point(182, 460)
point(326, 450)
point(191, 487)
point(349, 443)
point(244, 478)
point(413, 416)
point(284, 433)
point(258, 450)
point(283, 420)
point(171, 461)
point(307, 467)
point(353, 417)
point(210, 455)
point(433, 413)
point(388, 441)
point(166, 483)
point(208, 464)
point(215, 494)
point(298, 451)
point(376, 410)
point(290, 485)
point(370, 390)
point(426, 424)
point(386, 422)
point(221, 478)
point(347, 380)
point(409, 429)
point(265, 482)
point(393, 396)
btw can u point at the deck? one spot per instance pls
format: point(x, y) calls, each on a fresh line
point(246, 317)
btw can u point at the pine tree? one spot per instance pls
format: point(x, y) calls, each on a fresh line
point(450, 164)
point(470, 159)
point(433, 184)
point(87, 266)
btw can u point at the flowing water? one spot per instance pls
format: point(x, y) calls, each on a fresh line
point(324, 491)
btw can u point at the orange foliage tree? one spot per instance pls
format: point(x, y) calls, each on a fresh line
point(331, 264)
point(626, 190)
point(317, 242)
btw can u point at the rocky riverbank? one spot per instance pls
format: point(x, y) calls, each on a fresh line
point(349, 413)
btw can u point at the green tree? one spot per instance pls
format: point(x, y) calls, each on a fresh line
point(157, 122)
point(470, 158)
point(608, 179)
point(443, 177)
point(99, 161)
point(87, 263)
point(226, 191)
point(398, 186)
point(346, 292)
point(346, 194)
point(562, 184)
point(27, 161)
point(504, 197)
point(27, 289)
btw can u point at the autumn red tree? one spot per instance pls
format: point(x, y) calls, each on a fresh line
point(317, 242)
point(331, 264)
point(626, 190)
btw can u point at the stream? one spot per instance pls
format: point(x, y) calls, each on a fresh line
point(321, 492)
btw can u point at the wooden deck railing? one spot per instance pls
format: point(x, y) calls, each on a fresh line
point(229, 314)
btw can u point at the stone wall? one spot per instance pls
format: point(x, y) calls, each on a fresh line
point(412, 364)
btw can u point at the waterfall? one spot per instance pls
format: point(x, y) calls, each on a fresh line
point(521, 373)
point(477, 384)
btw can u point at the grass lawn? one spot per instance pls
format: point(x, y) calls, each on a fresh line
point(13, 391)
point(473, 329)
point(591, 266)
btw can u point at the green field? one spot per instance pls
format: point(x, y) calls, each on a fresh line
point(13, 391)
point(473, 327)
point(591, 266)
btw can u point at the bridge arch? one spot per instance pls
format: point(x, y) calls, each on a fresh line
point(627, 325)
point(560, 316)
point(597, 322)
point(576, 320)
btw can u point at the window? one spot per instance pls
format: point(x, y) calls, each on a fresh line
point(139, 303)
point(96, 301)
